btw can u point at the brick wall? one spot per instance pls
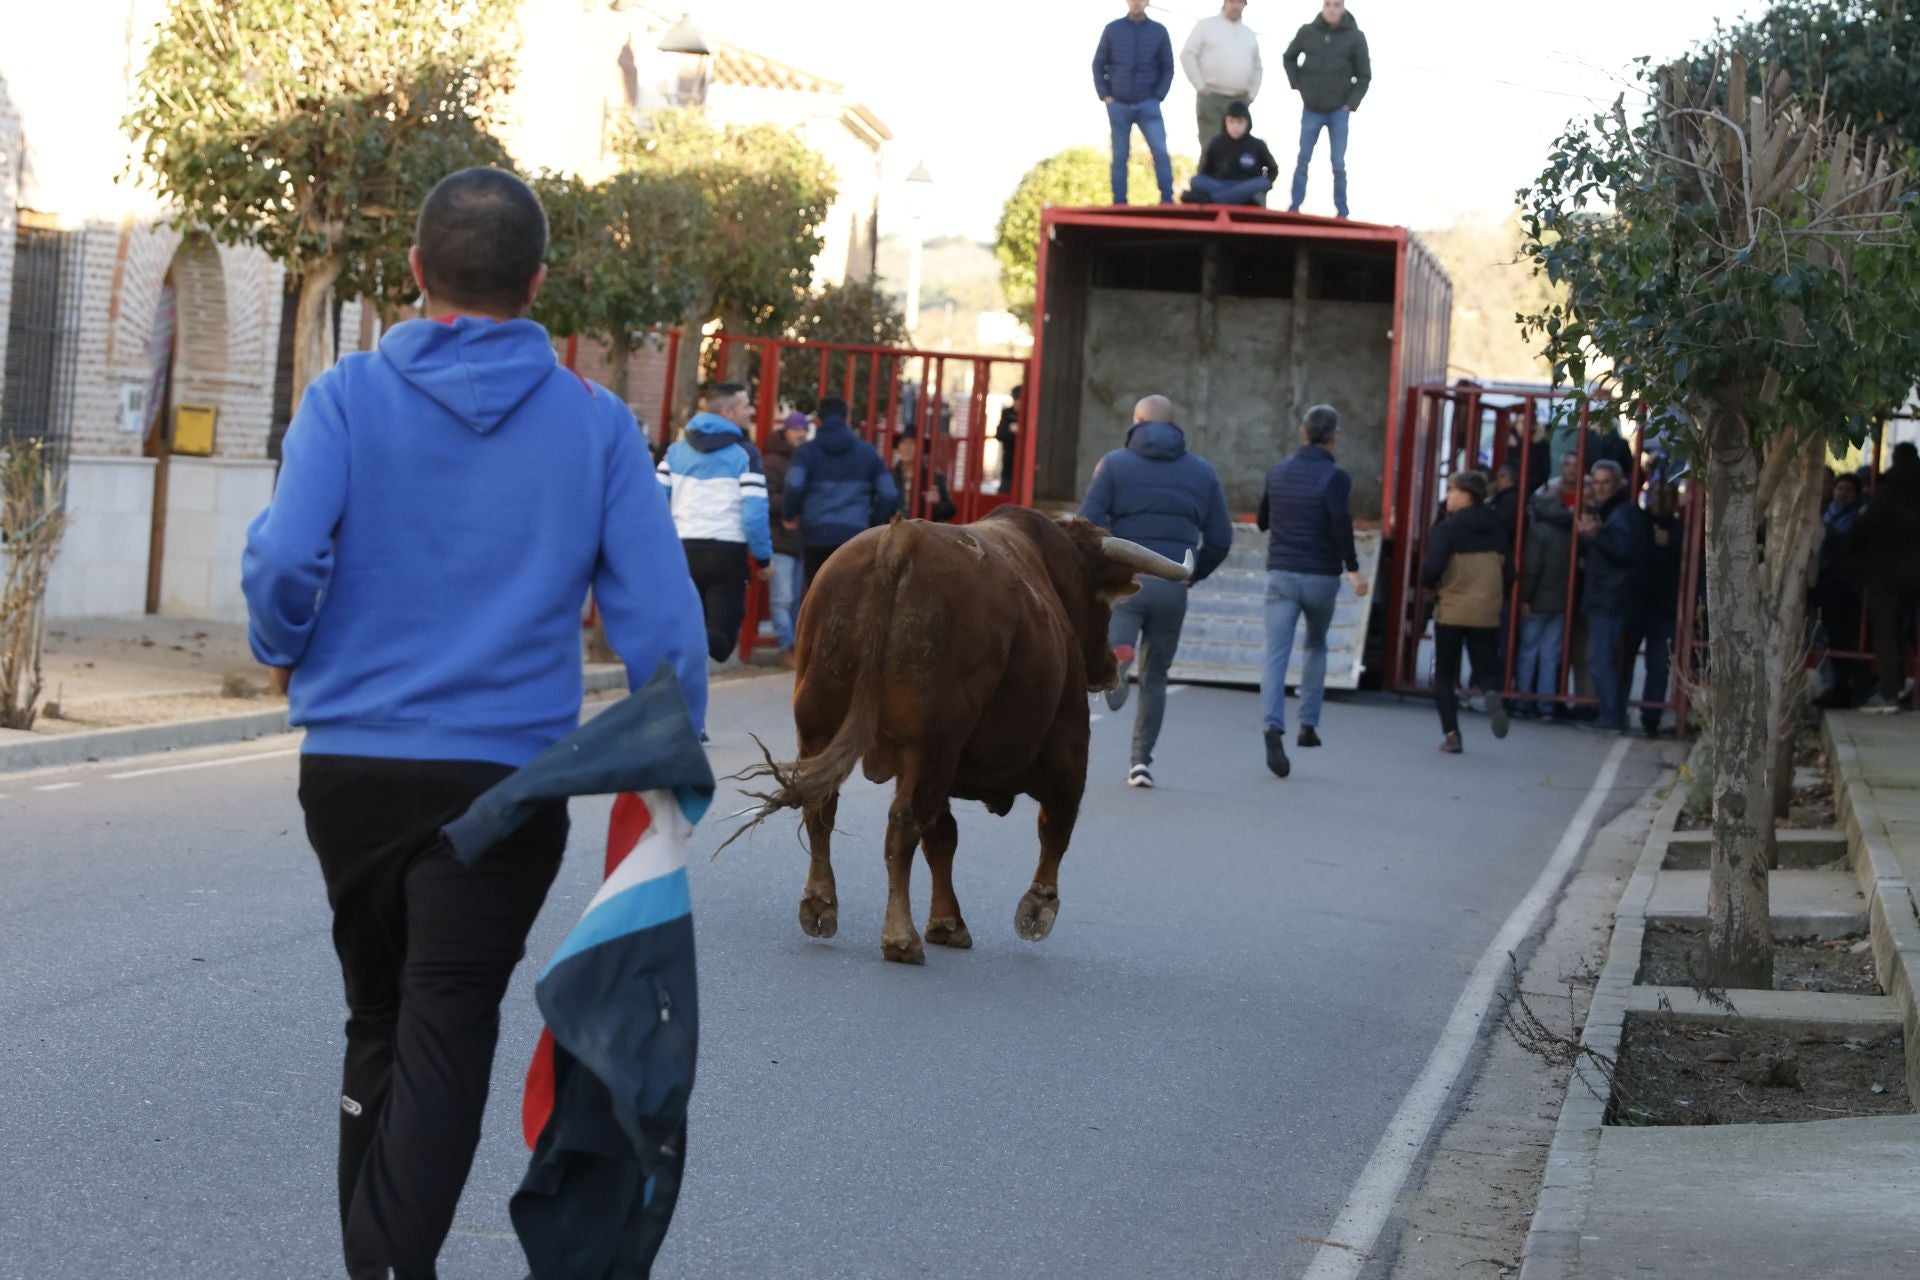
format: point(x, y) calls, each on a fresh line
point(646, 375)
point(227, 301)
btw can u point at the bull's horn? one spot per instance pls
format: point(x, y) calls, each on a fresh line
point(1152, 563)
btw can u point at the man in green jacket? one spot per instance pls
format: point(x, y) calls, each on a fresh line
point(1327, 63)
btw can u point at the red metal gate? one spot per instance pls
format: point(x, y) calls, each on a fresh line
point(1472, 427)
point(948, 398)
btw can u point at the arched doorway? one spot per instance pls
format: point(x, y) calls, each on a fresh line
point(186, 366)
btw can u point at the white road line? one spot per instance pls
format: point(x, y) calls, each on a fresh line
point(1373, 1196)
point(58, 786)
point(202, 764)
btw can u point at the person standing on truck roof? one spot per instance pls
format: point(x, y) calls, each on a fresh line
point(1222, 60)
point(1309, 528)
point(1132, 71)
point(1327, 64)
point(1237, 167)
point(1155, 493)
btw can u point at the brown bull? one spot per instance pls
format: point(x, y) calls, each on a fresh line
point(955, 661)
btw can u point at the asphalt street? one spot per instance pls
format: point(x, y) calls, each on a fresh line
point(1184, 1080)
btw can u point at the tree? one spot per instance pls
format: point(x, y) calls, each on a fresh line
point(767, 194)
point(32, 521)
point(313, 129)
point(623, 255)
point(1862, 56)
point(857, 312)
point(1076, 177)
point(1751, 269)
point(1493, 286)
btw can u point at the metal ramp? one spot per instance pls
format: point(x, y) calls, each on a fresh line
point(1225, 637)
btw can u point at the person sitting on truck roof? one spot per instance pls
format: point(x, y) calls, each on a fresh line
point(1304, 512)
point(1157, 494)
point(1237, 168)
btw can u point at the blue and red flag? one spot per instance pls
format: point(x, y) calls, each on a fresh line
point(605, 1107)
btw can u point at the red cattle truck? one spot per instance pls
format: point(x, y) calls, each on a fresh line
point(1244, 318)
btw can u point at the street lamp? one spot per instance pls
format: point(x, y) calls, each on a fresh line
point(694, 60)
point(919, 189)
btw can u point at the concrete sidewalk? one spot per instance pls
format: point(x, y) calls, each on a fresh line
point(1832, 1199)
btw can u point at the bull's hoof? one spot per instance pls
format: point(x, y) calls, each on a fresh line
point(905, 950)
point(818, 917)
point(1033, 918)
point(949, 932)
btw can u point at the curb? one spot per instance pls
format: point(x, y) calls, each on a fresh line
point(1554, 1239)
point(57, 751)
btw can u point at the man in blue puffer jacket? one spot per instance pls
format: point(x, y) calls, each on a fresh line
point(1132, 71)
point(1155, 493)
point(838, 487)
point(716, 485)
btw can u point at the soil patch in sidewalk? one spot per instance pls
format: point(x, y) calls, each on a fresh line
point(1676, 1072)
point(1842, 965)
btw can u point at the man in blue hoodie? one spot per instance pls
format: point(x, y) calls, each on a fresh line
point(716, 485)
point(1132, 72)
point(838, 487)
point(1155, 493)
point(443, 507)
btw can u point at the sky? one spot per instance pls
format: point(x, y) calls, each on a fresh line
point(1467, 97)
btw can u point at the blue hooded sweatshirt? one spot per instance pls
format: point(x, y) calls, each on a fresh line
point(716, 485)
point(443, 506)
point(838, 487)
point(1155, 493)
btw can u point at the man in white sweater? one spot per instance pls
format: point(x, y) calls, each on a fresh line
point(1222, 60)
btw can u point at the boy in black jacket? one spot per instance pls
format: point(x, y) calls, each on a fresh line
point(1237, 168)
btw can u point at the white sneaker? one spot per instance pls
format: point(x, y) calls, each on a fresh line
point(1141, 777)
point(1879, 706)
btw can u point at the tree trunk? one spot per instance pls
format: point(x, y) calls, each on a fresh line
point(619, 355)
point(686, 376)
point(1793, 538)
point(1739, 924)
point(313, 325)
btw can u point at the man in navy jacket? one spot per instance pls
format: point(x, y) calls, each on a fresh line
point(1132, 71)
point(1155, 493)
point(1309, 542)
point(837, 488)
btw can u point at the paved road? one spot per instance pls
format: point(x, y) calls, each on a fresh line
point(1185, 1079)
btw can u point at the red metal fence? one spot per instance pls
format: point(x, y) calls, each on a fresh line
point(946, 398)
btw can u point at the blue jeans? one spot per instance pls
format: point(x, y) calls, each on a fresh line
point(1291, 596)
point(1537, 669)
point(1605, 631)
point(783, 597)
point(1220, 191)
point(1122, 116)
point(1311, 123)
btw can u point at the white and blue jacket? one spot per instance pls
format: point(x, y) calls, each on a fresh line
point(717, 487)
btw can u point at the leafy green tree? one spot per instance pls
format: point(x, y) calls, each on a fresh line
point(767, 194)
point(314, 128)
point(1863, 55)
point(1076, 177)
point(1750, 270)
point(623, 255)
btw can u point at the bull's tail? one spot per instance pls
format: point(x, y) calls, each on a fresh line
point(812, 782)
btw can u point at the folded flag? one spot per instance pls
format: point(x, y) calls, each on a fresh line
point(605, 1107)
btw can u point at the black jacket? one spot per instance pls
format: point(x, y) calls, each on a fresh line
point(942, 509)
point(1613, 559)
point(779, 459)
point(1659, 594)
point(1329, 67)
point(1230, 159)
point(1885, 546)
